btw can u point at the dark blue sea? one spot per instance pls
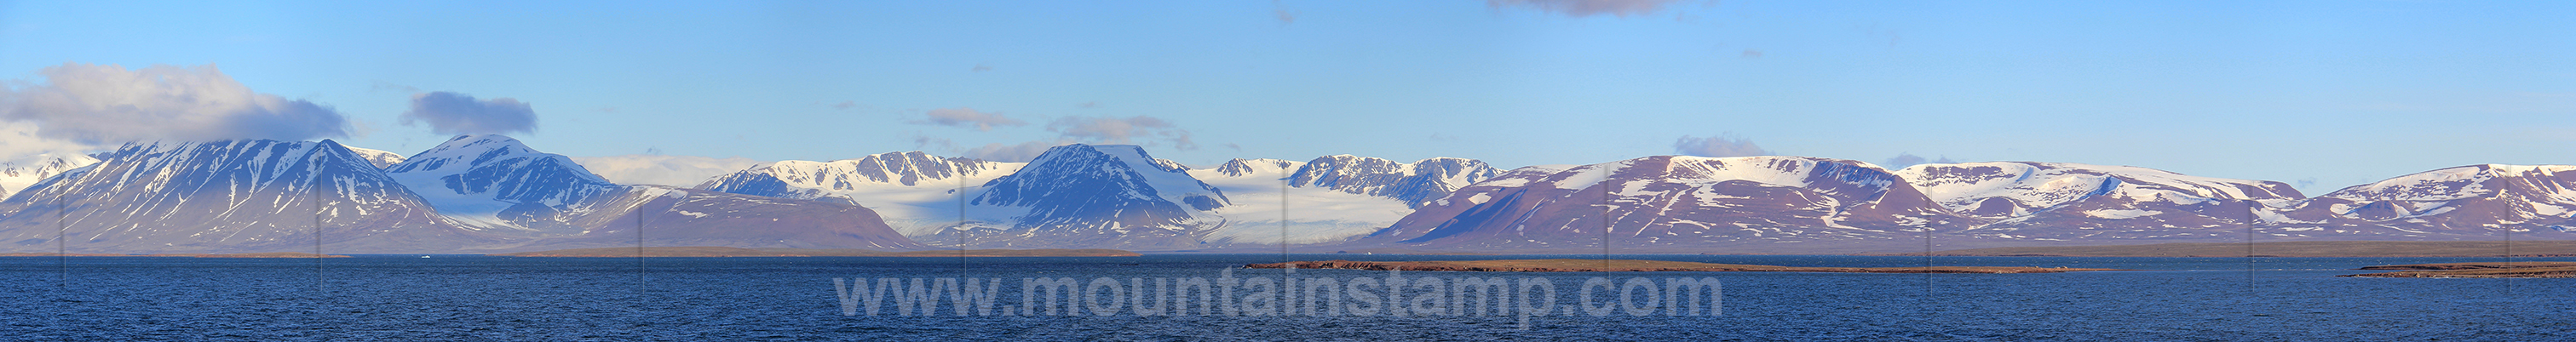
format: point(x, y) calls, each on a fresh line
point(468, 298)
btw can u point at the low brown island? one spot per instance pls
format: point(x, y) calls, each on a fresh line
point(1400, 251)
point(1598, 265)
point(63, 254)
point(188, 255)
point(2545, 248)
point(2527, 269)
point(702, 251)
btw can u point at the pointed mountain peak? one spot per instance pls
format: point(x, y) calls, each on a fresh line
point(1130, 153)
point(1083, 153)
point(18, 173)
point(904, 168)
point(1100, 195)
point(43, 162)
point(913, 191)
point(1416, 183)
point(466, 152)
point(382, 158)
point(476, 143)
point(493, 181)
point(1240, 167)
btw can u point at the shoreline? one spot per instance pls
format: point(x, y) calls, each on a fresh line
point(723, 252)
point(1596, 265)
point(2287, 249)
point(182, 255)
point(2529, 269)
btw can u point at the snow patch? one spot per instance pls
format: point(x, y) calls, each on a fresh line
point(2120, 214)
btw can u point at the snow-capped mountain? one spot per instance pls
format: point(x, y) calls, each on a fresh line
point(683, 217)
point(18, 173)
point(1087, 196)
point(915, 191)
point(1240, 167)
point(1416, 183)
point(2064, 201)
point(1263, 198)
point(270, 196)
point(663, 170)
point(1330, 200)
point(497, 184)
point(2467, 202)
point(488, 193)
point(382, 158)
point(229, 196)
point(1677, 202)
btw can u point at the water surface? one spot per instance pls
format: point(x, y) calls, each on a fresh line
point(458, 297)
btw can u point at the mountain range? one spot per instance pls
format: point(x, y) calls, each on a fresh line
point(1677, 202)
point(1329, 199)
point(227, 196)
point(916, 192)
point(472, 194)
point(18, 173)
point(490, 193)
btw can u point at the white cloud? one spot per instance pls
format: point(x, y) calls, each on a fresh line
point(1717, 147)
point(453, 113)
point(680, 171)
point(927, 142)
point(1016, 153)
point(104, 104)
point(1586, 8)
point(1128, 130)
point(1902, 160)
point(1136, 130)
point(962, 116)
point(390, 86)
point(19, 139)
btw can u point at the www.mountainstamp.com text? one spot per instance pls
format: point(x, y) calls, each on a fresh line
point(1395, 294)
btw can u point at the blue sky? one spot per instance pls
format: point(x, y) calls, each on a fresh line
point(2333, 93)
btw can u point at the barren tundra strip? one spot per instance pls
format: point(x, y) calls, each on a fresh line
point(702, 251)
point(2539, 269)
point(2290, 249)
point(1583, 265)
point(235, 255)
